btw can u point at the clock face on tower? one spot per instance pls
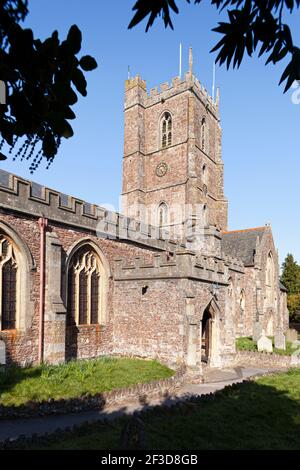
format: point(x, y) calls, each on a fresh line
point(161, 169)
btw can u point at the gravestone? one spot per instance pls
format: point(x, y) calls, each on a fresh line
point(257, 331)
point(279, 340)
point(291, 335)
point(264, 344)
point(296, 344)
point(2, 353)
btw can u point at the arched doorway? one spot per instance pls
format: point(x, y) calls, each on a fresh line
point(203, 337)
point(206, 335)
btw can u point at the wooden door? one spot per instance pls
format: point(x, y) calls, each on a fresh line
point(206, 340)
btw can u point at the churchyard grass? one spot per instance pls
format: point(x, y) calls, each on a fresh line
point(76, 378)
point(246, 343)
point(260, 414)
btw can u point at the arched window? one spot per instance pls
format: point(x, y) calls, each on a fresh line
point(166, 130)
point(162, 215)
point(8, 284)
point(242, 301)
point(270, 274)
point(231, 298)
point(204, 136)
point(85, 287)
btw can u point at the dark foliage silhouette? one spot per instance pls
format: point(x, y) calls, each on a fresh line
point(252, 25)
point(42, 80)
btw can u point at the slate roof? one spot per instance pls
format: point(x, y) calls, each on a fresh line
point(282, 287)
point(242, 243)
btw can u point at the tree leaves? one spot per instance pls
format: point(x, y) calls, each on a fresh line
point(291, 274)
point(74, 39)
point(292, 71)
point(79, 81)
point(49, 144)
point(87, 63)
point(159, 7)
point(237, 37)
point(251, 24)
point(42, 78)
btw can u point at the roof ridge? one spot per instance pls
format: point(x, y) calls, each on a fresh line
point(264, 227)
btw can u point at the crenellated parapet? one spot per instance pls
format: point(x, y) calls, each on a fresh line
point(167, 90)
point(234, 264)
point(183, 264)
point(29, 198)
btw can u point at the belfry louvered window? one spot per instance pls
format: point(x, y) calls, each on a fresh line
point(8, 284)
point(84, 287)
point(204, 136)
point(166, 130)
point(162, 215)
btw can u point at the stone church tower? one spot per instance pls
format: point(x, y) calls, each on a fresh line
point(173, 168)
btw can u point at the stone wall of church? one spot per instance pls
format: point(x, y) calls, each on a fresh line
point(251, 301)
point(22, 345)
point(162, 319)
point(272, 317)
point(81, 341)
point(148, 319)
point(93, 340)
point(268, 308)
point(154, 308)
point(201, 296)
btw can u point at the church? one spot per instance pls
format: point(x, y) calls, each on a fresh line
point(164, 278)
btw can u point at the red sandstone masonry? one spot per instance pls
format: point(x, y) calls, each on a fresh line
point(187, 102)
point(22, 346)
point(90, 341)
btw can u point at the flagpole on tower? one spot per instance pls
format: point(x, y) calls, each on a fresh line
point(214, 81)
point(180, 59)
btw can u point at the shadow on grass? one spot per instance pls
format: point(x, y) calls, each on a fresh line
point(14, 374)
point(249, 415)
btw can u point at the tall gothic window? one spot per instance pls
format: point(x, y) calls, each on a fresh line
point(231, 297)
point(270, 274)
point(204, 136)
point(84, 287)
point(8, 284)
point(166, 130)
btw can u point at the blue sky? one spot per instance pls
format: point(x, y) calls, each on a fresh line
point(260, 123)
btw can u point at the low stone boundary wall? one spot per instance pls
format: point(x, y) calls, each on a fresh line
point(100, 401)
point(266, 359)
